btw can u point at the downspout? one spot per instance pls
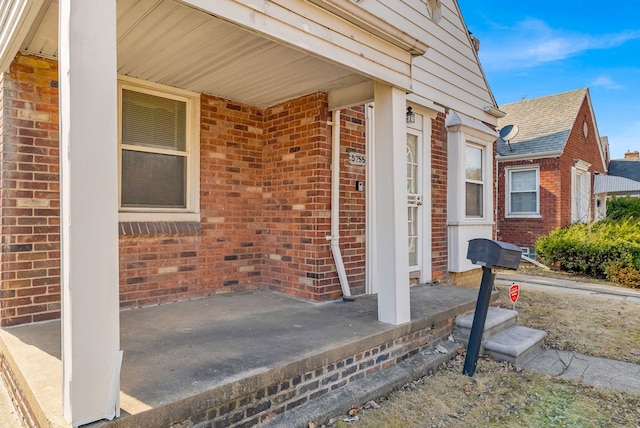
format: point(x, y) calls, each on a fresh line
point(335, 206)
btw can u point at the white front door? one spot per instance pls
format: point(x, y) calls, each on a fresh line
point(418, 191)
point(414, 198)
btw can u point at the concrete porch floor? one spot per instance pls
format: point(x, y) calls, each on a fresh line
point(182, 356)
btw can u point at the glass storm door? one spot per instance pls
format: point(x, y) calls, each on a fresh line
point(414, 199)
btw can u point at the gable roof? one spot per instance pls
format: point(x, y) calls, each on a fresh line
point(625, 168)
point(544, 123)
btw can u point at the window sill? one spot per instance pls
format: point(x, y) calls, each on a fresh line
point(470, 221)
point(158, 223)
point(140, 228)
point(523, 216)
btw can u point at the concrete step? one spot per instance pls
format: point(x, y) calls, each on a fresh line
point(517, 344)
point(498, 319)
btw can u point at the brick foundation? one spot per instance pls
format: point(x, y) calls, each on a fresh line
point(16, 392)
point(471, 278)
point(254, 401)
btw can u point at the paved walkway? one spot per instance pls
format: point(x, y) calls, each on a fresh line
point(592, 371)
point(601, 290)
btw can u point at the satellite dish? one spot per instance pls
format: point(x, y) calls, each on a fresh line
point(509, 132)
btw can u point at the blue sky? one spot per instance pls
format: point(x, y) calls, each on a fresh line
point(529, 49)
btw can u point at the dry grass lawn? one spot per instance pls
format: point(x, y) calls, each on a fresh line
point(586, 324)
point(499, 395)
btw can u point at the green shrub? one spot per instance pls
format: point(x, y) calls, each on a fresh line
point(621, 208)
point(607, 249)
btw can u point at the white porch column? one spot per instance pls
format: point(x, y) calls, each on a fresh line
point(89, 216)
point(390, 178)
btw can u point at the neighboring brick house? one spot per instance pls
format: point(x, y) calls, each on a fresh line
point(166, 150)
point(545, 172)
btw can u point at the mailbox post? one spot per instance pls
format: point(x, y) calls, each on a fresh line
point(486, 253)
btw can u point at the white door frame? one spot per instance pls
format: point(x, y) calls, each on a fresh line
point(423, 123)
point(418, 199)
point(371, 283)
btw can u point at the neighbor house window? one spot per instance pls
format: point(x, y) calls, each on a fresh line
point(523, 197)
point(474, 186)
point(159, 146)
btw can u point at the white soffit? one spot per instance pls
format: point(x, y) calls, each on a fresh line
point(167, 42)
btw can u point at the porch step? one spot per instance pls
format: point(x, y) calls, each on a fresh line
point(498, 319)
point(516, 344)
point(502, 338)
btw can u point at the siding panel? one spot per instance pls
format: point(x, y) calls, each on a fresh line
point(449, 73)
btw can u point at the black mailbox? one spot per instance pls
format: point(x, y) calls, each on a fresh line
point(490, 253)
point(486, 253)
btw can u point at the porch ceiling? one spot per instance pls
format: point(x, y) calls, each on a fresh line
point(167, 42)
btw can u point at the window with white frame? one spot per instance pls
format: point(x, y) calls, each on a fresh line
point(158, 151)
point(474, 181)
point(523, 196)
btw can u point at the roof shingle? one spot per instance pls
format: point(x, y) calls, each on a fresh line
point(544, 123)
point(625, 168)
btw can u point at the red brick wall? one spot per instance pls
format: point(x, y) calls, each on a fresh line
point(439, 236)
point(265, 204)
point(297, 199)
point(352, 202)
point(555, 185)
point(29, 194)
point(295, 195)
point(226, 255)
point(524, 231)
point(581, 148)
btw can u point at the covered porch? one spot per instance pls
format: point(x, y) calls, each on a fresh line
point(260, 54)
point(233, 359)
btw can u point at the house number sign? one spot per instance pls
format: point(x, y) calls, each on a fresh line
point(357, 159)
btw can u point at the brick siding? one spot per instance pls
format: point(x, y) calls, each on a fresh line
point(29, 192)
point(555, 185)
point(524, 231)
point(265, 190)
point(439, 233)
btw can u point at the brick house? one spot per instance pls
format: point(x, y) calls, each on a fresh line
point(159, 151)
point(546, 172)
